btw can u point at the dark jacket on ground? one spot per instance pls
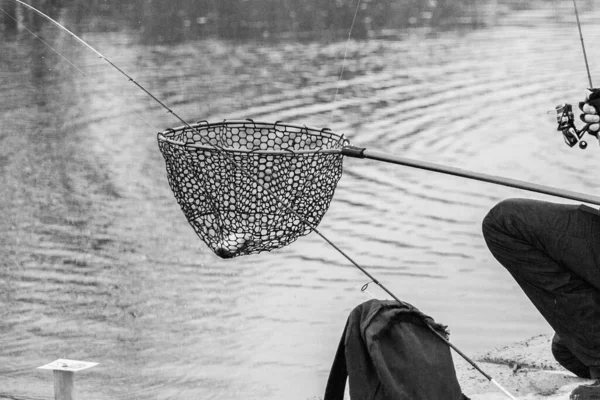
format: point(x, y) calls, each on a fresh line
point(388, 353)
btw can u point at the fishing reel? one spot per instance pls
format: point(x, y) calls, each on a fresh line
point(566, 124)
point(566, 121)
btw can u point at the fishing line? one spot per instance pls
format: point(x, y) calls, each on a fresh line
point(267, 190)
point(337, 84)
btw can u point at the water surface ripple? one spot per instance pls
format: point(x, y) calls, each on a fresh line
point(99, 263)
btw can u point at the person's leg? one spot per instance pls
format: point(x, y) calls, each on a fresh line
point(551, 251)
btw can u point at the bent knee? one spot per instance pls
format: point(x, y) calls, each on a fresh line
point(498, 215)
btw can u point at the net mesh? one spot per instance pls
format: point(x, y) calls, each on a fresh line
point(235, 181)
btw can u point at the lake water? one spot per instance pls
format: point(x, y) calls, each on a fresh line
point(99, 264)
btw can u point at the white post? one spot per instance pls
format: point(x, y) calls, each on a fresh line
point(64, 372)
point(63, 385)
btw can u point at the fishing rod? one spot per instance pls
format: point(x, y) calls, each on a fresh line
point(564, 112)
point(587, 65)
point(175, 143)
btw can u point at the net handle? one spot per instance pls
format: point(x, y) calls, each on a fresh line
point(357, 152)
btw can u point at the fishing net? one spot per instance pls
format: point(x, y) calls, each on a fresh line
point(247, 187)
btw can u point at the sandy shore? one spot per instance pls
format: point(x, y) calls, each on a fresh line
point(526, 369)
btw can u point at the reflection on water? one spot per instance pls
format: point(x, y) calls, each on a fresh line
point(175, 20)
point(99, 263)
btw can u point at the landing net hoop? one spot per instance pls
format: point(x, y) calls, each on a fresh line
point(238, 181)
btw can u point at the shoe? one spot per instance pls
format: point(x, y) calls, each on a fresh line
point(586, 392)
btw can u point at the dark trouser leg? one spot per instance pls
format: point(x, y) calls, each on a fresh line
point(567, 359)
point(550, 250)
